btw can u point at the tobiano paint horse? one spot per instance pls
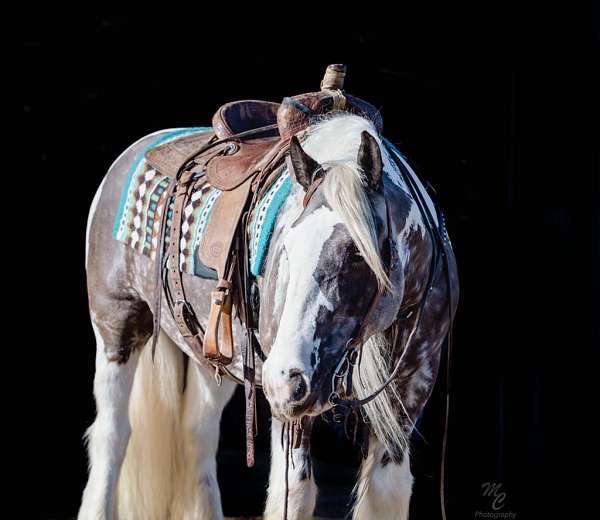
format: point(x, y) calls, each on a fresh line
point(152, 446)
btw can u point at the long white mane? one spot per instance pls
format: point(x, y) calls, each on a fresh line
point(344, 184)
point(334, 142)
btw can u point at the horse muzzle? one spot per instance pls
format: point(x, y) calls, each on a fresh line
point(288, 392)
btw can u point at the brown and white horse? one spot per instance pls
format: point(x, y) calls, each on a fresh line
point(152, 447)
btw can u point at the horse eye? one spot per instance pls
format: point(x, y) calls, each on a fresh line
point(354, 256)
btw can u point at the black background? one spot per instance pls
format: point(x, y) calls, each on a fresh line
point(495, 109)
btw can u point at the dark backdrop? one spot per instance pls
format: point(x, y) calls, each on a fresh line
point(494, 109)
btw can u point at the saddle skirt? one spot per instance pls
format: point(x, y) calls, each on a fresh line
point(143, 202)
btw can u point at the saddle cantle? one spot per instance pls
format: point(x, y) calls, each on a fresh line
point(240, 116)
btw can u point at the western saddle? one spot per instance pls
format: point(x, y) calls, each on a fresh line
point(242, 157)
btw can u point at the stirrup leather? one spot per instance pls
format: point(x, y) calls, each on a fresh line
point(219, 350)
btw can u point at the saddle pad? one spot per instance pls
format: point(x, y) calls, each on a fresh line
point(142, 205)
point(143, 202)
point(263, 220)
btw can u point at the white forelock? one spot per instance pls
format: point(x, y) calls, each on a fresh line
point(335, 143)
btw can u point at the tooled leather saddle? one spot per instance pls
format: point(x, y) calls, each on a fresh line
point(242, 157)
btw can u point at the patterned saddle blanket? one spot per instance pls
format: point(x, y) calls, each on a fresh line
point(143, 202)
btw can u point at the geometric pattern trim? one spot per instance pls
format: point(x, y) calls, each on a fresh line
point(263, 220)
point(143, 203)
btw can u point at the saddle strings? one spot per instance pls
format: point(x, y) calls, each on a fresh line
point(291, 437)
point(286, 429)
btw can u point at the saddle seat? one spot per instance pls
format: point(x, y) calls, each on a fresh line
point(227, 165)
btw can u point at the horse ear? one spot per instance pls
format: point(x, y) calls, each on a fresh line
point(370, 161)
point(303, 165)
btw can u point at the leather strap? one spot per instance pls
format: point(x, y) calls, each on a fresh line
point(219, 320)
point(311, 190)
point(184, 316)
point(249, 357)
point(267, 165)
point(158, 286)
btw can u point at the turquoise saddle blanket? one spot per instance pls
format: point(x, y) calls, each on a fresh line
point(143, 202)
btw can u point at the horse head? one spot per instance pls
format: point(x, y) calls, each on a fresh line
point(331, 278)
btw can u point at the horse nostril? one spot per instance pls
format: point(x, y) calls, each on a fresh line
point(298, 385)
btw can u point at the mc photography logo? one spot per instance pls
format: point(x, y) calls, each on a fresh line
point(496, 499)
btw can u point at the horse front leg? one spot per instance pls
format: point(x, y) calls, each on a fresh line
point(301, 489)
point(385, 485)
